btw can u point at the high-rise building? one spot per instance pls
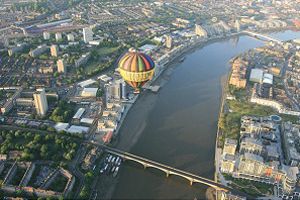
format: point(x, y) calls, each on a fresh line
point(70, 37)
point(117, 90)
point(38, 51)
point(169, 42)
point(82, 60)
point(61, 68)
point(40, 102)
point(87, 34)
point(54, 50)
point(200, 31)
point(46, 36)
point(16, 49)
point(6, 42)
point(124, 90)
point(58, 36)
point(237, 26)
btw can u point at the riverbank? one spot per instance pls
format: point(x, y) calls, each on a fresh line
point(224, 110)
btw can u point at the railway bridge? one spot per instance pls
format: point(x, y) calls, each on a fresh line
point(168, 170)
point(259, 35)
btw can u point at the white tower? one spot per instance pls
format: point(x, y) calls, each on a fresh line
point(58, 36)
point(61, 68)
point(87, 34)
point(237, 26)
point(169, 42)
point(40, 102)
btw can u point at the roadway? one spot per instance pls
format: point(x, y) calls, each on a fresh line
point(285, 84)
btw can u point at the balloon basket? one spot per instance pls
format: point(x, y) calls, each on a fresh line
point(137, 91)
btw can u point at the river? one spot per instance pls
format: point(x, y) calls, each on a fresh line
point(177, 126)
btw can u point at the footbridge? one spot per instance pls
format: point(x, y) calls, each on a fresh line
point(259, 35)
point(168, 170)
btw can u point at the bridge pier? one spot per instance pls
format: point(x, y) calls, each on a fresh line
point(145, 165)
point(167, 174)
point(191, 182)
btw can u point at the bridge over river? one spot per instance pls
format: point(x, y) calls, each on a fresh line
point(168, 170)
point(263, 36)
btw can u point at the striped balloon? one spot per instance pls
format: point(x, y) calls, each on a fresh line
point(136, 68)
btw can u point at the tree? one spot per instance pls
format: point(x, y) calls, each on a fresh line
point(51, 129)
point(84, 193)
point(56, 74)
point(4, 148)
point(89, 177)
point(27, 155)
point(37, 138)
point(222, 121)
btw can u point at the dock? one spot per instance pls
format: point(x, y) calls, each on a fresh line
point(154, 88)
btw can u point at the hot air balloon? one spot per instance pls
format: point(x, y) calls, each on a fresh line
point(136, 68)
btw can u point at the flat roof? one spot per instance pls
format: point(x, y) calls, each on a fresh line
point(87, 120)
point(256, 74)
point(89, 92)
point(269, 76)
point(86, 83)
point(268, 81)
point(61, 126)
point(78, 129)
point(79, 113)
point(90, 89)
point(147, 47)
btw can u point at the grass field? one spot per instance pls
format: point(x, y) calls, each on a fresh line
point(106, 50)
point(237, 110)
point(101, 52)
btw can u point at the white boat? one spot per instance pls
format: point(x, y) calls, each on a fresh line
point(109, 159)
point(113, 159)
point(120, 161)
point(113, 169)
point(116, 171)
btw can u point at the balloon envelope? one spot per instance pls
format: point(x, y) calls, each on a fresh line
point(136, 68)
